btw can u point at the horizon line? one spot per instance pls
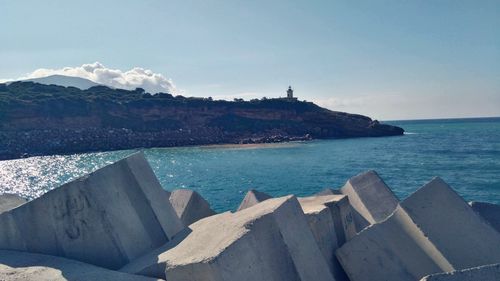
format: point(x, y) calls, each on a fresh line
point(441, 118)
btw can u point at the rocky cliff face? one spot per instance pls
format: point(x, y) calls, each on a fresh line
point(40, 119)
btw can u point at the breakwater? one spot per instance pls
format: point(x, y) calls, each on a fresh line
point(352, 233)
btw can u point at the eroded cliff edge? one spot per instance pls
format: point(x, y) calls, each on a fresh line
point(38, 119)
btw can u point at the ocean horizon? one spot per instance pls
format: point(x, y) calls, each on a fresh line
point(465, 152)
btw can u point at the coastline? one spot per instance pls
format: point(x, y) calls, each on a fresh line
point(238, 146)
point(66, 142)
point(122, 119)
point(268, 141)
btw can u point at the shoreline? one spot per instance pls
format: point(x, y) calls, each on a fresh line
point(252, 145)
point(246, 143)
point(243, 143)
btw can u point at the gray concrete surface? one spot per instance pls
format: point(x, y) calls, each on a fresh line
point(21, 266)
point(151, 264)
point(252, 198)
point(480, 273)
point(434, 230)
point(489, 212)
point(190, 206)
point(269, 241)
point(452, 226)
point(371, 199)
point(106, 218)
point(330, 219)
point(10, 201)
point(328, 191)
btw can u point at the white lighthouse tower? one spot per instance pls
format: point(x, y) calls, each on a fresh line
point(289, 93)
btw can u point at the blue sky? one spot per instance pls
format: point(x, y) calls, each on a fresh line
point(386, 59)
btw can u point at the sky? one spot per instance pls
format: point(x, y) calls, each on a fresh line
point(389, 60)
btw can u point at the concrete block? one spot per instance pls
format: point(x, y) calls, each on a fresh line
point(371, 199)
point(489, 212)
point(190, 206)
point(270, 241)
point(106, 218)
point(328, 191)
point(339, 210)
point(253, 197)
point(22, 266)
point(432, 231)
point(481, 273)
point(330, 219)
point(10, 201)
point(453, 227)
point(152, 264)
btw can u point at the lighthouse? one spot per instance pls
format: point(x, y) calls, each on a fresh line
point(289, 93)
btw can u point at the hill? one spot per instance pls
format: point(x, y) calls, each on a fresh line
point(40, 119)
point(65, 81)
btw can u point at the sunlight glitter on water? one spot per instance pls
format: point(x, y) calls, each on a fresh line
point(32, 177)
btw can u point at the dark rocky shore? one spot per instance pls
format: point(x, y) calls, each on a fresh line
point(38, 119)
point(20, 144)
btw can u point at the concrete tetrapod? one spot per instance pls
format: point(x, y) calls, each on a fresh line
point(328, 191)
point(433, 230)
point(330, 219)
point(253, 197)
point(10, 201)
point(489, 212)
point(190, 206)
point(106, 218)
point(371, 199)
point(481, 273)
point(270, 241)
point(21, 266)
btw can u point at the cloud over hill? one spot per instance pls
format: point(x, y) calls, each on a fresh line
point(136, 77)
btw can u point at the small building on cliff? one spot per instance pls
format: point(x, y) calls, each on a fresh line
point(289, 94)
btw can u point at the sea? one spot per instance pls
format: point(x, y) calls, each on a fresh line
point(463, 152)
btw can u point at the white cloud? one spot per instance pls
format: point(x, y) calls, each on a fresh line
point(136, 77)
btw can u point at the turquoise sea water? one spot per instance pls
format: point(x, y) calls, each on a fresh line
point(464, 152)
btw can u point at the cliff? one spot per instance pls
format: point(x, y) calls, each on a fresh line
point(40, 119)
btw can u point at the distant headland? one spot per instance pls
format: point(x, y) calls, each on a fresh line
point(37, 119)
